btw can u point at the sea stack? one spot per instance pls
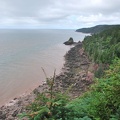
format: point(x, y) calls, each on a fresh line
point(69, 42)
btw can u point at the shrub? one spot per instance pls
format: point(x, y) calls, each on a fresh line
point(48, 105)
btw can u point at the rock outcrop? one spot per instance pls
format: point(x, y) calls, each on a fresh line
point(69, 42)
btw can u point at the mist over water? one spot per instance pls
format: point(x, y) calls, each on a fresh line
point(24, 52)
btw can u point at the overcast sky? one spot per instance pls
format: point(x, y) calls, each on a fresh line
point(63, 14)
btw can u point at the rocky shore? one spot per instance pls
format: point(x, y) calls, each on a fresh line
point(77, 72)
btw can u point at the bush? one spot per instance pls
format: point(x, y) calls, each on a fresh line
point(103, 101)
point(48, 105)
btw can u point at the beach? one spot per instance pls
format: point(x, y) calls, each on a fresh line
point(76, 71)
point(22, 55)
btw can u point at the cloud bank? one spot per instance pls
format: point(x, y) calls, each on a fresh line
point(58, 13)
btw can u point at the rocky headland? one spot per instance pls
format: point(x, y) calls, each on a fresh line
point(77, 72)
point(70, 41)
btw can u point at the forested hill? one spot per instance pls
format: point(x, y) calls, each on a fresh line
point(105, 46)
point(102, 48)
point(96, 29)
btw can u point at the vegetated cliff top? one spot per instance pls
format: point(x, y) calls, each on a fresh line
point(95, 29)
point(103, 47)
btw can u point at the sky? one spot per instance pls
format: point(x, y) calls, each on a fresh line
point(58, 14)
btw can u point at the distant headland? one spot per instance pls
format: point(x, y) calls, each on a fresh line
point(96, 29)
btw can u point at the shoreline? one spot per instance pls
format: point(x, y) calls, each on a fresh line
point(76, 71)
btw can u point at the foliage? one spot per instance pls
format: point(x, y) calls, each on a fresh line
point(48, 105)
point(100, 72)
point(103, 48)
point(103, 101)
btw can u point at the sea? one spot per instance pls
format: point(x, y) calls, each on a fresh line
point(23, 55)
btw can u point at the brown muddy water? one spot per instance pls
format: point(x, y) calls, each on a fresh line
point(24, 52)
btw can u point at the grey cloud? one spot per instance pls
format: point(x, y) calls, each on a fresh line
point(25, 7)
point(59, 12)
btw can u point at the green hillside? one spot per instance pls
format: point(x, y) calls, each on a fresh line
point(103, 47)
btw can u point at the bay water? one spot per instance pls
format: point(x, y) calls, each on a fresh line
point(22, 54)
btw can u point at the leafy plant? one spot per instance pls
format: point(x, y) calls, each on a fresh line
point(102, 102)
point(49, 104)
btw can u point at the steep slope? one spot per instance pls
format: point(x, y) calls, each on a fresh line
point(105, 46)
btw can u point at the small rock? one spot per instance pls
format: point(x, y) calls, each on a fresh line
point(2, 116)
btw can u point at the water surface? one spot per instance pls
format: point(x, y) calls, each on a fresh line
point(24, 52)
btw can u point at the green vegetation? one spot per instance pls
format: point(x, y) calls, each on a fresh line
point(49, 105)
point(103, 47)
point(102, 101)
